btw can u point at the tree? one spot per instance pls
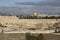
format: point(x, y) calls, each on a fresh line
point(40, 37)
point(52, 17)
point(2, 26)
point(30, 36)
point(57, 26)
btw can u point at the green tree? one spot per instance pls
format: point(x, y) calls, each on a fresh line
point(30, 36)
point(40, 37)
point(57, 26)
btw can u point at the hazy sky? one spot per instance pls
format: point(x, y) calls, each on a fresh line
point(12, 2)
point(42, 2)
point(48, 6)
point(19, 1)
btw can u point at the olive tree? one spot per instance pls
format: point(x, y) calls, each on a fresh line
point(30, 36)
point(2, 26)
point(57, 26)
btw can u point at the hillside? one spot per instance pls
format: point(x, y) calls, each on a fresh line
point(13, 23)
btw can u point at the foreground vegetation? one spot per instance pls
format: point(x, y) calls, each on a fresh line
point(30, 36)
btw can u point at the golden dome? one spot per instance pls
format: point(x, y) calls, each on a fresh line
point(35, 13)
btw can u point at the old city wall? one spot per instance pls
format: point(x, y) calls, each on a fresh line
point(13, 20)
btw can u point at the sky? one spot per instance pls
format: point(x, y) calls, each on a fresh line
point(42, 2)
point(12, 2)
point(20, 0)
point(49, 6)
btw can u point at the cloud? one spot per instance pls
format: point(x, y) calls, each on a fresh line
point(51, 2)
point(43, 3)
point(44, 6)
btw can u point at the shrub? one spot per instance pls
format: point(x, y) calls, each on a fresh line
point(40, 37)
point(29, 36)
